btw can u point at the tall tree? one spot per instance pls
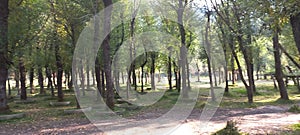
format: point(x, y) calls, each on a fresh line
point(59, 63)
point(295, 22)
point(3, 53)
point(106, 53)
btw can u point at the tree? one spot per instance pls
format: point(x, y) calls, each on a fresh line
point(106, 54)
point(295, 23)
point(4, 13)
point(59, 63)
point(208, 54)
point(239, 23)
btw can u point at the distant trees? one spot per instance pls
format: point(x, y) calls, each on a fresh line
point(38, 38)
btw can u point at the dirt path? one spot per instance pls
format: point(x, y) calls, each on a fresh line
point(261, 120)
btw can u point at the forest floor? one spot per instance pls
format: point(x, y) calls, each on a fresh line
point(261, 120)
point(267, 115)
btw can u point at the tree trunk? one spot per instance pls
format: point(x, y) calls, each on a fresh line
point(106, 54)
point(22, 79)
point(198, 72)
point(170, 71)
point(232, 69)
point(82, 78)
point(278, 70)
point(93, 76)
point(17, 79)
point(188, 75)
point(295, 22)
point(3, 54)
point(88, 76)
point(59, 64)
point(41, 80)
point(183, 49)
point(50, 84)
point(214, 73)
point(152, 72)
point(31, 78)
point(208, 55)
point(98, 76)
point(8, 84)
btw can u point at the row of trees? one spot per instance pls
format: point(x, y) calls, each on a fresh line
point(39, 37)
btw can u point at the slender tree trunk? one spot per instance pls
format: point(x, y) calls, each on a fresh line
point(22, 79)
point(295, 22)
point(289, 56)
point(31, 78)
point(278, 70)
point(54, 78)
point(106, 54)
point(214, 73)
point(208, 55)
point(50, 84)
point(88, 76)
point(41, 80)
point(17, 80)
point(8, 83)
point(82, 79)
point(142, 78)
point(183, 49)
point(188, 75)
point(232, 69)
point(59, 64)
point(93, 76)
point(98, 76)
point(3, 54)
point(198, 72)
point(152, 72)
point(170, 70)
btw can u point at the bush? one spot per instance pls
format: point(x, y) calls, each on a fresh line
point(230, 129)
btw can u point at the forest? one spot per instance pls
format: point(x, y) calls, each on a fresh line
point(222, 67)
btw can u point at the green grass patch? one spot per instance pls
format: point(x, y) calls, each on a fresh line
point(230, 129)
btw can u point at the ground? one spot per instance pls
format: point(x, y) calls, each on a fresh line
point(261, 120)
point(266, 116)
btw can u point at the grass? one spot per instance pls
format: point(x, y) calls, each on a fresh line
point(292, 130)
point(266, 95)
point(236, 98)
point(230, 129)
point(41, 110)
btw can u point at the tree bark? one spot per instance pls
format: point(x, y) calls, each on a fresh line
point(183, 49)
point(41, 80)
point(106, 54)
point(31, 78)
point(59, 64)
point(17, 79)
point(152, 72)
point(170, 70)
point(3, 54)
point(50, 84)
point(295, 22)
point(22, 71)
point(278, 70)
